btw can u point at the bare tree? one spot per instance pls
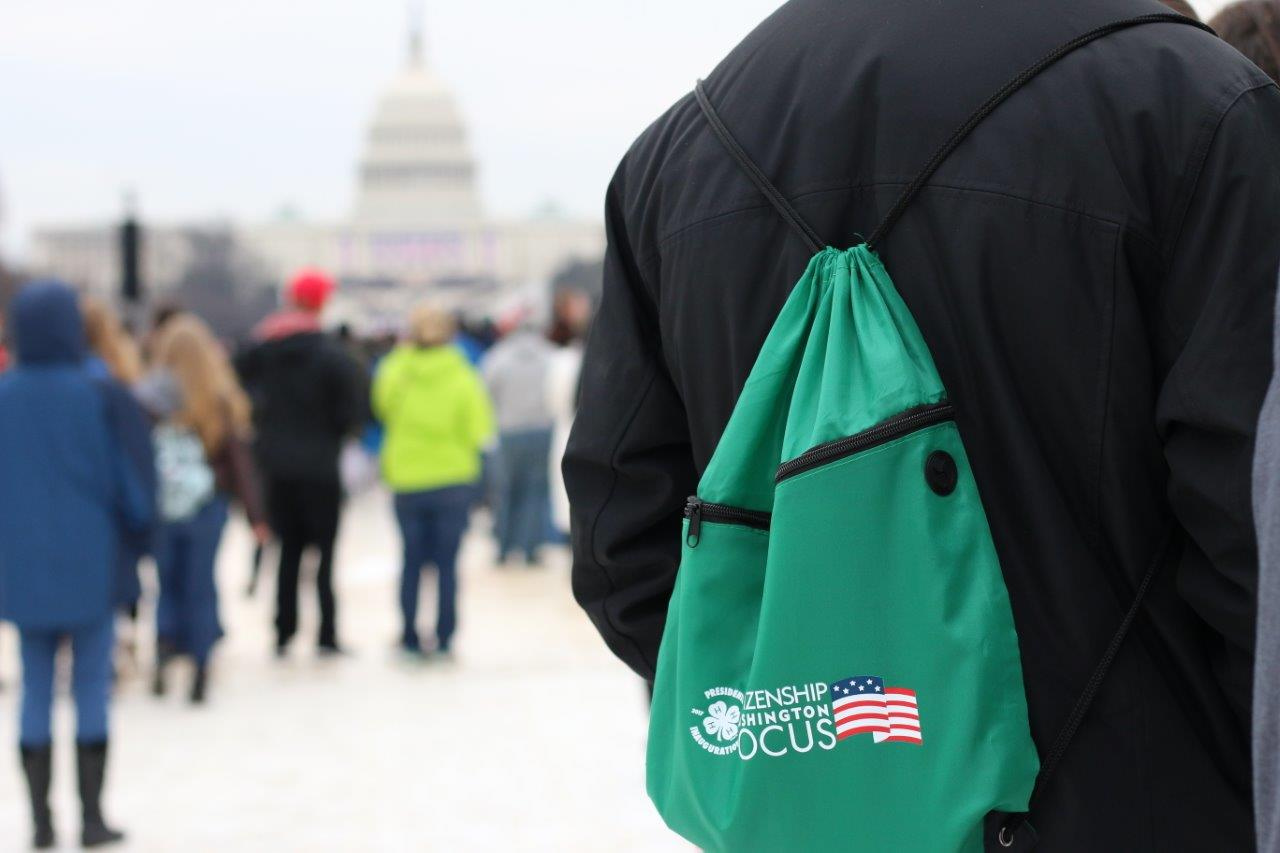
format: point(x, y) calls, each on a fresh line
point(224, 285)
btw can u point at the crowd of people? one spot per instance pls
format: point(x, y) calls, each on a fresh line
point(1098, 304)
point(143, 448)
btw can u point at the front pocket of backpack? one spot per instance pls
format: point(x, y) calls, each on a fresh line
point(912, 420)
point(707, 649)
point(881, 567)
point(716, 601)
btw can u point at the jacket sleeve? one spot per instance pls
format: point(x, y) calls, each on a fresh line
point(243, 475)
point(628, 466)
point(385, 380)
point(133, 458)
point(246, 363)
point(1217, 309)
point(351, 393)
point(491, 368)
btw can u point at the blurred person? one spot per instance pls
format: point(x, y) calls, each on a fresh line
point(437, 419)
point(357, 465)
point(4, 365)
point(203, 456)
point(114, 354)
point(517, 373)
point(308, 398)
point(1266, 692)
point(571, 312)
point(1093, 271)
point(562, 393)
point(70, 489)
point(4, 350)
point(1182, 7)
point(114, 351)
point(474, 338)
point(163, 311)
point(1253, 28)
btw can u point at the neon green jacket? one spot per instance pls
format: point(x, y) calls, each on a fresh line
point(437, 418)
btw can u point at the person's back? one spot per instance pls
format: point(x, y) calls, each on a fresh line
point(306, 402)
point(436, 416)
point(59, 476)
point(308, 396)
point(437, 419)
point(1093, 271)
point(70, 487)
point(516, 372)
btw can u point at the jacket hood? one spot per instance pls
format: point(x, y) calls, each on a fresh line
point(46, 325)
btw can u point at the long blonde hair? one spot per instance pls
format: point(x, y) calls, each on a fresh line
point(213, 403)
point(109, 341)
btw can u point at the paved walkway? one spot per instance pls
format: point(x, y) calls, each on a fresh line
point(532, 740)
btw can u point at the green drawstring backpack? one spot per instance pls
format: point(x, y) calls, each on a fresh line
point(840, 667)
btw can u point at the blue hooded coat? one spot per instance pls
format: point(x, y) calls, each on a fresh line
point(70, 487)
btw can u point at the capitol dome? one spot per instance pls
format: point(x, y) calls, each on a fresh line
point(417, 171)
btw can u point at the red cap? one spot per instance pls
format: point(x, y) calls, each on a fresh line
point(310, 289)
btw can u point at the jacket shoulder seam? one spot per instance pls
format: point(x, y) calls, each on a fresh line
point(1208, 133)
point(764, 206)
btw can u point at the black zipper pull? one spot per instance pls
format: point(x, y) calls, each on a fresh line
point(693, 512)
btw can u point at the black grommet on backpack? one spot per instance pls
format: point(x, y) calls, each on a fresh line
point(940, 473)
point(1009, 832)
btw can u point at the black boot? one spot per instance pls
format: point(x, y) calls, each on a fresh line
point(164, 654)
point(91, 761)
point(198, 685)
point(37, 762)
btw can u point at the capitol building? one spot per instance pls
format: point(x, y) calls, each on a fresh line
point(417, 227)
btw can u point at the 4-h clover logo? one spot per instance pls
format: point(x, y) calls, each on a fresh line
point(722, 721)
point(716, 727)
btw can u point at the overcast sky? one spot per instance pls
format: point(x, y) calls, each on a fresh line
point(238, 108)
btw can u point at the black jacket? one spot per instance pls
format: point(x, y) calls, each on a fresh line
point(308, 396)
point(1094, 271)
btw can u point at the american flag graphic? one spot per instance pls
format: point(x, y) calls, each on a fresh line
point(863, 705)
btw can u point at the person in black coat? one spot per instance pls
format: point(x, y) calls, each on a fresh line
point(308, 396)
point(1093, 270)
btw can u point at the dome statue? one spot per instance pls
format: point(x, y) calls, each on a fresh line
point(417, 172)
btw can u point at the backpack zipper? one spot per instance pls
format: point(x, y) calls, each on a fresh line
point(696, 509)
point(882, 433)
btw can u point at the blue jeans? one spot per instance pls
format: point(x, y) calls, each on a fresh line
point(186, 551)
point(431, 525)
point(523, 508)
point(91, 648)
